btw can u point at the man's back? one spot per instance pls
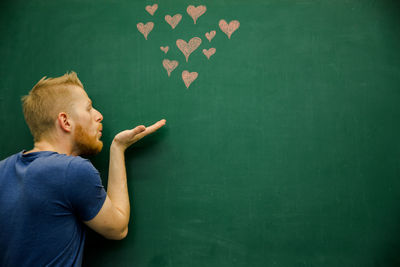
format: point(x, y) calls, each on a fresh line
point(49, 194)
point(44, 197)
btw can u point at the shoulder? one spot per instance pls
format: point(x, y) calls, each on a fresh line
point(75, 164)
point(9, 159)
point(59, 165)
point(80, 166)
point(50, 163)
point(81, 173)
point(8, 164)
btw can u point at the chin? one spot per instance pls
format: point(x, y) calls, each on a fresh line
point(87, 145)
point(99, 147)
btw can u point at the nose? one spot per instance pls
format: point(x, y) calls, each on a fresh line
point(98, 117)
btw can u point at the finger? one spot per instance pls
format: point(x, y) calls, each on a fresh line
point(155, 126)
point(152, 128)
point(138, 129)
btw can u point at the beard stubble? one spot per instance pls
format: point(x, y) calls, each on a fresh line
point(85, 143)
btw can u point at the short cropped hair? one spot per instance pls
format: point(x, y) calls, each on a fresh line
point(46, 100)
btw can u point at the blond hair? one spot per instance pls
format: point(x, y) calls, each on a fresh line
point(46, 100)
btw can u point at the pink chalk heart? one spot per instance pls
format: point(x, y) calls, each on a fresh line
point(170, 65)
point(228, 29)
point(196, 12)
point(208, 53)
point(210, 35)
point(189, 77)
point(152, 9)
point(188, 48)
point(145, 29)
point(164, 49)
point(173, 21)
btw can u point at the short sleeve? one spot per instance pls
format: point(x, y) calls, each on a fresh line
point(84, 190)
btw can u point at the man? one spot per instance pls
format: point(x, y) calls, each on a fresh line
point(50, 192)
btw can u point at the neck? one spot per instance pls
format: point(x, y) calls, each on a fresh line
point(44, 145)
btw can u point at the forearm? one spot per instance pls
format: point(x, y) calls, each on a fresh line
point(113, 218)
point(117, 189)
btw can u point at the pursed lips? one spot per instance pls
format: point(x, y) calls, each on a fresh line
point(100, 129)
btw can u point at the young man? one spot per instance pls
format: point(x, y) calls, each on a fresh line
point(47, 194)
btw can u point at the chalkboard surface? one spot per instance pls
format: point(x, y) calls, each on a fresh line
point(283, 150)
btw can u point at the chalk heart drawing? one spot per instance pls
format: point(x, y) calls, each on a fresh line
point(152, 9)
point(208, 53)
point(188, 48)
point(230, 28)
point(164, 48)
point(145, 29)
point(170, 65)
point(196, 12)
point(173, 21)
point(189, 77)
point(210, 35)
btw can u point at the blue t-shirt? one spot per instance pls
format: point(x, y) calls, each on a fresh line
point(44, 197)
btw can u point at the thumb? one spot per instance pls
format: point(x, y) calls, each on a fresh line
point(139, 129)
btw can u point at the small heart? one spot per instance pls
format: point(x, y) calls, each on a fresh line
point(188, 48)
point(196, 12)
point(170, 65)
point(145, 29)
point(173, 21)
point(210, 35)
point(164, 49)
point(229, 29)
point(208, 53)
point(152, 9)
point(189, 77)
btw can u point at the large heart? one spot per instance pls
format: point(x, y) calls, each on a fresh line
point(189, 77)
point(228, 29)
point(145, 29)
point(208, 53)
point(196, 12)
point(170, 65)
point(173, 21)
point(151, 9)
point(188, 48)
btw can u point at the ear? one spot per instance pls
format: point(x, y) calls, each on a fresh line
point(64, 121)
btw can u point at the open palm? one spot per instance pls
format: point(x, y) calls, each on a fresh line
point(126, 138)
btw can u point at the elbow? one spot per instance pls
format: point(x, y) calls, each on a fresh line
point(118, 235)
point(123, 234)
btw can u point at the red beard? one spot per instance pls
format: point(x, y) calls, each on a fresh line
point(85, 143)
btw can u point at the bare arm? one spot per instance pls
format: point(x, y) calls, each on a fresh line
point(113, 218)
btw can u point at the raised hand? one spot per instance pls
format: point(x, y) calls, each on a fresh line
point(128, 137)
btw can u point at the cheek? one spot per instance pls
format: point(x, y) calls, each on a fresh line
point(84, 118)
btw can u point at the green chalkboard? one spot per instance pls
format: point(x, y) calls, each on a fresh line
point(284, 151)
